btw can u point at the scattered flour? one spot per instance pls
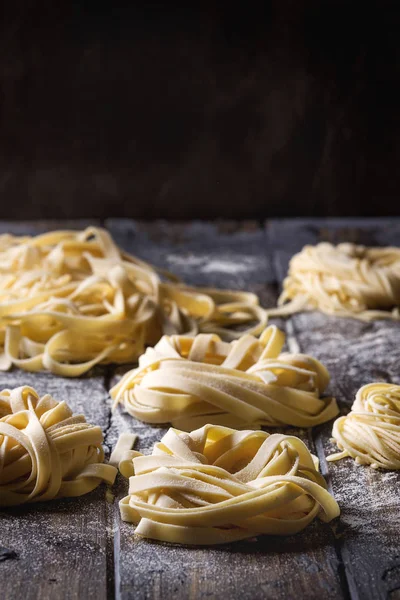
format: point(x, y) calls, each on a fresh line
point(207, 264)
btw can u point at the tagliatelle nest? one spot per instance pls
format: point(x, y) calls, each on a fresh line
point(246, 383)
point(217, 485)
point(47, 452)
point(370, 433)
point(70, 300)
point(345, 280)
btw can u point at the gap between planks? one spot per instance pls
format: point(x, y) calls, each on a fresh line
point(367, 547)
point(271, 560)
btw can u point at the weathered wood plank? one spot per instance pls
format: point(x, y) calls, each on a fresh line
point(37, 227)
point(57, 549)
point(61, 545)
point(304, 565)
point(225, 255)
point(355, 353)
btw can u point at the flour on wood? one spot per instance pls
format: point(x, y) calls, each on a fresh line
point(225, 263)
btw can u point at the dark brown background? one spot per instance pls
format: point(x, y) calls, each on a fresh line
point(200, 112)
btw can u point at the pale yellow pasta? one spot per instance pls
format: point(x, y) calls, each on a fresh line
point(370, 433)
point(47, 452)
point(243, 384)
point(218, 485)
point(70, 300)
point(345, 280)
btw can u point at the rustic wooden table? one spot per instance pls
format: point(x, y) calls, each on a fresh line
point(78, 548)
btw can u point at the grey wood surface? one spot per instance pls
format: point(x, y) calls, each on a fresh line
point(236, 256)
point(60, 547)
point(355, 353)
point(78, 548)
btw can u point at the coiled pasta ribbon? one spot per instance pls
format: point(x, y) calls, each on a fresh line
point(344, 280)
point(370, 433)
point(218, 485)
point(246, 383)
point(70, 300)
point(45, 451)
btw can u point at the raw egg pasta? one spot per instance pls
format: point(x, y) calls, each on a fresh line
point(47, 452)
point(218, 485)
point(370, 433)
point(247, 383)
point(70, 300)
point(345, 280)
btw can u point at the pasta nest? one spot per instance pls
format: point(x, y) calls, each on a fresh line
point(246, 383)
point(345, 280)
point(70, 300)
point(370, 433)
point(218, 485)
point(45, 451)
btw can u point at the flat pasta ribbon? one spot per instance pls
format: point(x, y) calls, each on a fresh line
point(370, 433)
point(218, 485)
point(243, 384)
point(345, 280)
point(70, 300)
point(47, 452)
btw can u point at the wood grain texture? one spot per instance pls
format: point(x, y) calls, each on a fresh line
point(60, 545)
point(57, 549)
point(355, 353)
point(225, 255)
point(79, 547)
point(22, 227)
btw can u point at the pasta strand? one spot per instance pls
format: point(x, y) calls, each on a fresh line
point(370, 433)
point(191, 381)
point(47, 452)
point(218, 485)
point(345, 280)
point(70, 300)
